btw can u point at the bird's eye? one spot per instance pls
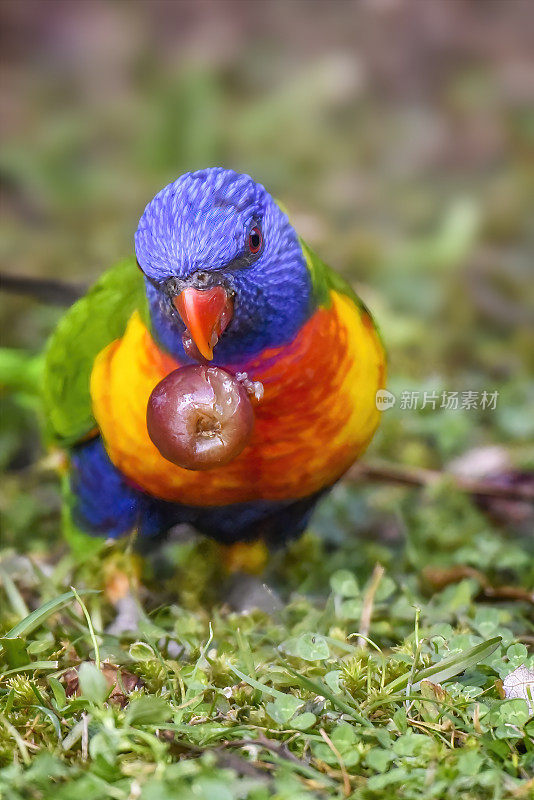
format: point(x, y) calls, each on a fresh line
point(255, 240)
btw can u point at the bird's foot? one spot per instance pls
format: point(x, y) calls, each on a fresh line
point(248, 557)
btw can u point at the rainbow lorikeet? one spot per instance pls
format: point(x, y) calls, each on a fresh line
point(293, 326)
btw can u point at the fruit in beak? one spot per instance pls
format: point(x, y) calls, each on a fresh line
point(200, 417)
point(206, 313)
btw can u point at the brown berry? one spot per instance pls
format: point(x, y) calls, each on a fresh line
point(199, 417)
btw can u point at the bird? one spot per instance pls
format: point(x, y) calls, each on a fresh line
point(219, 276)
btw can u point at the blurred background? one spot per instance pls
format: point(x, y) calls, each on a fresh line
point(399, 135)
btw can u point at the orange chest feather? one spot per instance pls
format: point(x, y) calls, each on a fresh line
point(317, 414)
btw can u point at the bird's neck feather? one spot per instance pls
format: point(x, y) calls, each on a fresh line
point(265, 316)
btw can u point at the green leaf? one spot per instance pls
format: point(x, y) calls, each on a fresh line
point(397, 775)
point(58, 691)
point(141, 651)
point(385, 589)
point(16, 652)
point(447, 668)
point(268, 690)
point(351, 609)
point(344, 583)
point(470, 763)
point(304, 721)
point(245, 652)
point(93, 684)
point(517, 654)
point(324, 753)
point(344, 736)
point(308, 646)
point(511, 712)
point(322, 689)
point(208, 788)
point(14, 596)
point(332, 679)
point(148, 710)
point(507, 732)
point(33, 666)
point(378, 759)
point(283, 708)
point(37, 617)
point(411, 744)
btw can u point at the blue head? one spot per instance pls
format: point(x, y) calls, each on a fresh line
point(219, 253)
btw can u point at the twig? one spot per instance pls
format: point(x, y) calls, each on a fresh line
point(47, 290)
point(368, 602)
point(254, 769)
point(440, 577)
point(268, 744)
point(383, 471)
point(85, 736)
point(333, 748)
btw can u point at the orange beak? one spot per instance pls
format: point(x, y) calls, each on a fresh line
point(205, 313)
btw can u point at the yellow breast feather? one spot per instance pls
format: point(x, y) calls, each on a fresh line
point(317, 415)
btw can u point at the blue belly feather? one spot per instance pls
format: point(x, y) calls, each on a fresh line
point(106, 503)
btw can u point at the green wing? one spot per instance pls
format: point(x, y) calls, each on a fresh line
point(100, 317)
point(325, 279)
point(88, 326)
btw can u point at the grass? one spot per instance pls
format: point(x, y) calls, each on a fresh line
point(212, 703)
